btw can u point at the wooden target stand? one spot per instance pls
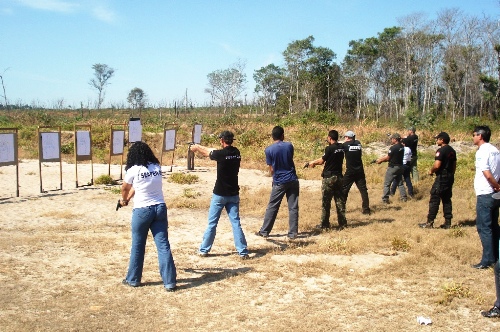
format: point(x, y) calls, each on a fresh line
point(83, 150)
point(196, 139)
point(49, 150)
point(169, 142)
point(117, 144)
point(9, 151)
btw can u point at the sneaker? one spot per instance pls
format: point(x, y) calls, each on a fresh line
point(125, 282)
point(385, 201)
point(368, 212)
point(445, 226)
point(171, 289)
point(292, 237)
point(202, 254)
point(244, 257)
point(492, 313)
point(261, 235)
point(481, 266)
point(427, 225)
point(341, 227)
point(321, 226)
point(404, 199)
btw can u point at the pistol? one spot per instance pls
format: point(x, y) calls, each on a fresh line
point(118, 205)
point(306, 165)
point(373, 161)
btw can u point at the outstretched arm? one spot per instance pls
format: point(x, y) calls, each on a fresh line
point(313, 163)
point(205, 151)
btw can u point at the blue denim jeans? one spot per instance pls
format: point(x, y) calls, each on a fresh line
point(152, 218)
point(487, 227)
point(497, 283)
point(291, 190)
point(232, 206)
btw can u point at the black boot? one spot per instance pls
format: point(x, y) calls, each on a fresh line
point(446, 225)
point(428, 224)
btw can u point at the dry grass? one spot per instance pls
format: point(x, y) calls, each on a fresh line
point(61, 270)
point(379, 274)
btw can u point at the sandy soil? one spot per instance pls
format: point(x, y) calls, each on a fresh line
point(64, 253)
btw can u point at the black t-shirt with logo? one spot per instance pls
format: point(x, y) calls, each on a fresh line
point(228, 167)
point(448, 157)
point(396, 154)
point(353, 152)
point(334, 158)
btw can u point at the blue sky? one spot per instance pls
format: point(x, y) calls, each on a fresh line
point(48, 47)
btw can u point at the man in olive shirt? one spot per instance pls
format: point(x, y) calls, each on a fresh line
point(331, 187)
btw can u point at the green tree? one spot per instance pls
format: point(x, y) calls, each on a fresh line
point(225, 85)
point(269, 84)
point(137, 99)
point(102, 74)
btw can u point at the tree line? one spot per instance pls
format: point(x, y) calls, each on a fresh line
point(421, 68)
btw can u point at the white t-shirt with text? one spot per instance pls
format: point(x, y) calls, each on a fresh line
point(147, 183)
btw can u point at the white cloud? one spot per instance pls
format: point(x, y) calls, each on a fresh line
point(50, 5)
point(104, 14)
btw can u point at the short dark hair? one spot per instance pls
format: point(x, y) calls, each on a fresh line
point(485, 132)
point(227, 137)
point(334, 135)
point(278, 132)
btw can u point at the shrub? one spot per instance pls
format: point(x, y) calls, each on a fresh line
point(181, 178)
point(454, 290)
point(400, 244)
point(68, 148)
point(105, 179)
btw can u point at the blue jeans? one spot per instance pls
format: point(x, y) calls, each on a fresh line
point(487, 227)
point(291, 190)
point(152, 218)
point(232, 205)
point(497, 283)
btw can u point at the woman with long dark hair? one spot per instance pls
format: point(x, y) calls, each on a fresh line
point(143, 181)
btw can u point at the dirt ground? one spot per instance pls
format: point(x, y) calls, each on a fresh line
point(65, 252)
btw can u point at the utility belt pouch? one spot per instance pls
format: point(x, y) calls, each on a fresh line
point(327, 174)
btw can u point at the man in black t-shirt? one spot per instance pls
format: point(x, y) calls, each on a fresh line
point(412, 142)
point(225, 194)
point(395, 169)
point(445, 163)
point(331, 187)
point(355, 172)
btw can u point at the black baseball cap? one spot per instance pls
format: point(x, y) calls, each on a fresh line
point(443, 135)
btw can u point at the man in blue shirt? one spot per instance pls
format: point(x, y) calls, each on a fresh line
point(279, 158)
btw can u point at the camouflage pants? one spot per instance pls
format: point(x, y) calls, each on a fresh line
point(332, 188)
